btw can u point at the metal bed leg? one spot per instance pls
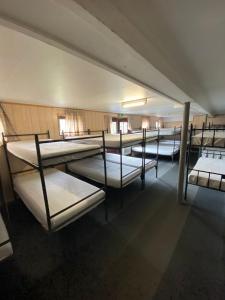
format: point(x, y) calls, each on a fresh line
point(43, 185)
point(9, 167)
point(185, 192)
point(142, 181)
point(105, 175)
point(156, 171)
point(106, 209)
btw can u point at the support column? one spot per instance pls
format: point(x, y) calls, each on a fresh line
point(182, 160)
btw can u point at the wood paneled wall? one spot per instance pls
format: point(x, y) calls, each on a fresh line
point(33, 118)
point(216, 120)
point(198, 120)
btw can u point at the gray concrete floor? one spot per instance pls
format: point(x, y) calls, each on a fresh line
point(153, 248)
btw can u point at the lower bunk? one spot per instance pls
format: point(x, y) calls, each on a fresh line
point(208, 172)
point(121, 170)
point(163, 148)
point(5, 244)
point(68, 198)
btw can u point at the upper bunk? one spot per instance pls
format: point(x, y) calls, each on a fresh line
point(209, 169)
point(210, 137)
point(52, 151)
point(116, 141)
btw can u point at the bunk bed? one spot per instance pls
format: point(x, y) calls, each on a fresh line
point(53, 197)
point(113, 141)
point(164, 146)
point(213, 137)
point(5, 244)
point(121, 169)
point(209, 170)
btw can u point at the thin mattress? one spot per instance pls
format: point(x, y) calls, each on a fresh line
point(169, 142)
point(131, 161)
point(209, 139)
point(5, 244)
point(50, 152)
point(208, 165)
point(93, 169)
point(113, 140)
point(163, 149)
point(63, 190)
point(169, 131)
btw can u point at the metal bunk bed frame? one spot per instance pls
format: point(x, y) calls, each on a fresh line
point(4, 209)
point(201, 148)
point(40, 168)
point(174, 139)
point(119, 150)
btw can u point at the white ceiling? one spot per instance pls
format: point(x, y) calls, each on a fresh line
point(34, 72)
point(184, 39)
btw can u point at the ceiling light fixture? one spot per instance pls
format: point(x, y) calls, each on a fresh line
point(134, 103)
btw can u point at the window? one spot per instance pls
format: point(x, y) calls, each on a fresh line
point(114, 127)
point(123, 126)
point(119, 124)
point(157, 124)
point(62, 125)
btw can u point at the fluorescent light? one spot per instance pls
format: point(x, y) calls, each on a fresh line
point(134, 103)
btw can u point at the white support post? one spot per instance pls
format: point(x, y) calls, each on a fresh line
point(183, 148)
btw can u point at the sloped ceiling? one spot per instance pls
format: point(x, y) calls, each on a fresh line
point(34, 72)
point(66, 26)
point(182, 39)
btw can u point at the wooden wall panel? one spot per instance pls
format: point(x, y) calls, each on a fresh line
point(34, 118)
point(198, 120)
point(216, 120)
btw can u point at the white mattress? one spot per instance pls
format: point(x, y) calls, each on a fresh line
point(81, 136)
point(169, 142)
point(26, 150)
point(169, 131)
point(164, 149)
point(62, 189)
point(6, 249)
point(113, 140)
point(131, 161)
point(93, 169)
point(219, 139)
point(208, 165)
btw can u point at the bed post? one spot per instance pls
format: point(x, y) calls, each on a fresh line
point(188, 162)
point(48, 134)
point(203, 127)
point(183, 153)
point(41, 172)
point(105, 174)
point(4, 203)
point(174, 135)
point(8, 165)
point(143, 158)
point(121, 165)
point(213, 140)
point(157, 155)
